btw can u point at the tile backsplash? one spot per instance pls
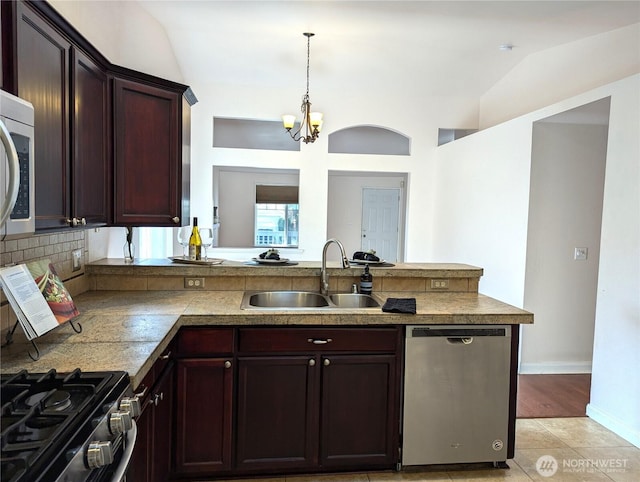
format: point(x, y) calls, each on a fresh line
point(58, 247)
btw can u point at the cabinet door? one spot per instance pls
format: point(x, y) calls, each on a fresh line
point(277, 413)
point(91, 176)
point(161, 434)
point(148, 155)
point(203, 415)
point(140, 465)
point(43, 80)
point(360, 418)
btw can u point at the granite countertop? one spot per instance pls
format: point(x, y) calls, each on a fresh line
point(128, 330)
point(165, 267)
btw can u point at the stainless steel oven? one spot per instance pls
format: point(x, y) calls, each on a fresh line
point(71, 427)
point(17, 174)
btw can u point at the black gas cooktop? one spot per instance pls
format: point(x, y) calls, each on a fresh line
point(47, 416)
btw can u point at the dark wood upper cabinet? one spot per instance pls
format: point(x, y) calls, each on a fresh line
point(43, 79)
point(112, 145)
point(91, 172)
point(148, 155)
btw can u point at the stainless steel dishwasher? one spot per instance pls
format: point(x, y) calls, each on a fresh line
point(456, 394)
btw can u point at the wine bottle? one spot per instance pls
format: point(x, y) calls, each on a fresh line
point(195, 243)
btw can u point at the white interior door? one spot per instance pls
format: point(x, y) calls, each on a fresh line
point(380, 214)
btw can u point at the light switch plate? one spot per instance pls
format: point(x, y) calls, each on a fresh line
point(580, 254)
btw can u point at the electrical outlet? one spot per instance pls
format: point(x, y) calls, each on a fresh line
point(440, 284)
point(580, 254)
point(76, 257)
point(194, 283)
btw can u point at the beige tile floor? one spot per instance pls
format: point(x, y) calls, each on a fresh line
point(581, 449)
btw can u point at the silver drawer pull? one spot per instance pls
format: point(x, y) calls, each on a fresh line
point(165, 357)
point(227, 364)
point(319, 341)
point(312, 363)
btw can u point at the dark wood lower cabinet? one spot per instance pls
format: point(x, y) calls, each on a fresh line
point(317, 399)
point(151, 461)
point(358, 411)
point(272, 400)
point(203, 415)
point(277, 413)
point(204, 401)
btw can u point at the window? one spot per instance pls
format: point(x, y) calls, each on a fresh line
point(276, 216)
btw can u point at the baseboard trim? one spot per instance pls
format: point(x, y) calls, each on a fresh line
point(554, 368)
point(614, 424)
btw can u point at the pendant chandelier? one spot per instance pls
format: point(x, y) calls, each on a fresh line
point(311, 121)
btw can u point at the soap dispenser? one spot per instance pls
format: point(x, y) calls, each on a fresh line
point(366, 281)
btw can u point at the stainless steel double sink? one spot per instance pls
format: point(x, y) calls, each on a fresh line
point(296, 300)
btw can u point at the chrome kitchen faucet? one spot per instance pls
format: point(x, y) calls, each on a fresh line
point(324, 278)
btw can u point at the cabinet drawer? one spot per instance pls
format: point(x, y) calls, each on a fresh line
point(193, 342)
point(296, 340)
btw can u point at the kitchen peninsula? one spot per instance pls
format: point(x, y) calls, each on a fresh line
point(147, 318)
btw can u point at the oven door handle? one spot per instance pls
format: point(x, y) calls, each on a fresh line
point(13, 174)
point(120, 473)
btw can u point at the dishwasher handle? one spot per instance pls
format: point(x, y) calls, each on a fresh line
point(464, 340)
point(422, 332)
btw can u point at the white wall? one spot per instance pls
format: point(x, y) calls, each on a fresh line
point(481, 197)
point(565, 212)
point(615, 384)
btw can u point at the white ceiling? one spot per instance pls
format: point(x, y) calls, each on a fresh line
point(434, 47)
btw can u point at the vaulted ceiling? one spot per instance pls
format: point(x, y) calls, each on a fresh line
point(436, 47)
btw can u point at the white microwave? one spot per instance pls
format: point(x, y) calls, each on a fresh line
point(17, 173)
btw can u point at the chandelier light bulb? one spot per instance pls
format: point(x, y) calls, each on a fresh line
point(289, 121)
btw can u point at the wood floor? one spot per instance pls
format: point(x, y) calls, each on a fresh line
point(545, 396)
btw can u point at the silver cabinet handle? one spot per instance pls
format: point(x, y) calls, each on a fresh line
point(175, 220)
point(312, 363)
point(326, 362)
point(319, 341)
point(165, 357)
point(227, 364)
point(142, 393)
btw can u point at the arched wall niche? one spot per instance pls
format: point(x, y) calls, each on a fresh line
point(367, 139)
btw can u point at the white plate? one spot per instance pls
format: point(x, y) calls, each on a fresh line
point(364, 261)
point(271, 261)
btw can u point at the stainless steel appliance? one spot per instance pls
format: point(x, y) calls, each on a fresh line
point(456, 394)
point(17, 174)
point(71, 427)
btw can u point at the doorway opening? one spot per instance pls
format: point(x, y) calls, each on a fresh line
point(367, 210)
point(568, 161)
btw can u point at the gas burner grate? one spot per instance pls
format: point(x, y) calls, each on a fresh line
point(43, 413)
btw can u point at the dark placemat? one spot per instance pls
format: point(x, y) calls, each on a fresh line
point(275, 265)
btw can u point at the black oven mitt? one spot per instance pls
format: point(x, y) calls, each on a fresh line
point(400, 305)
